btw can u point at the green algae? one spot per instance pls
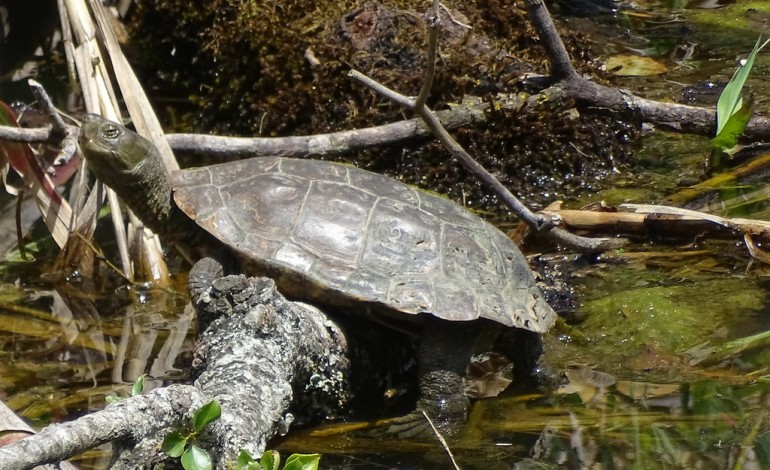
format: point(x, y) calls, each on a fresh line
point(672, 317)
point(736, 25)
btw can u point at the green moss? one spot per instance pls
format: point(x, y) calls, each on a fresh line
point(246, 66)
point(672, 317)
point(735, 24)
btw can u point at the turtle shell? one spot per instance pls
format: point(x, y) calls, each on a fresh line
point(339, 235)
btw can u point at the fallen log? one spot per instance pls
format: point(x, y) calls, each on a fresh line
point(257, 349)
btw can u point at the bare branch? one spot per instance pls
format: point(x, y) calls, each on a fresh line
point(302, 343)
point(535, 221)
point(561, 65)
point(67, 134)
point(673, 222)
point(678, 117)
point(126, 418)
point(32, 136)
point(434, 26)
point(45, 102)
point(298, 146)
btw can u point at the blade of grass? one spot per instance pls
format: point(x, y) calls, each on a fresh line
point(730, 99)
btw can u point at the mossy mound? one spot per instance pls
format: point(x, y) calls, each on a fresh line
point(280, 68)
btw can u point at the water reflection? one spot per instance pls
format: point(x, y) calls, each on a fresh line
point(702, 424)
point(63, 352)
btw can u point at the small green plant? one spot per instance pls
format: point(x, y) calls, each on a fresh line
point(180, 444)
point(271, 460)
point(733, 113)
point(136, 390)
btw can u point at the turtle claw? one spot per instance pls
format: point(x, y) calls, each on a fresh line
point(412, 426)
point(416, 426)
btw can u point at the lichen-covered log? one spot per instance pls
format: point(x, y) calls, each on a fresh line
point(257, 350)
point(127, 420)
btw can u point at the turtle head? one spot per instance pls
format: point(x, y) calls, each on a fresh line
point(130, 165)
point(112, 151)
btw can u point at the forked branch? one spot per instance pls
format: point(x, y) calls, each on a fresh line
point(537, 222)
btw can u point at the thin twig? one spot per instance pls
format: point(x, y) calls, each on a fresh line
point(434, 26)
point(388, 93)
point(536, 221)
point(68, 135)
point(45, 102)
point(561, 65)
point(19, 229)
point(453, 19)
point(33, 136)
point(456, 150)
point(441, 440)
point(100, 256)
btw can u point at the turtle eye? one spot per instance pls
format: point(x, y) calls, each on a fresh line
point(110, 131)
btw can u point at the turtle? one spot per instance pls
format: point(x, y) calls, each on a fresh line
point(336, 235)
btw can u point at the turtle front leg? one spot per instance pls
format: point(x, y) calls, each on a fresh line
point(202, 274)
point(445, 351)
point(207, 270)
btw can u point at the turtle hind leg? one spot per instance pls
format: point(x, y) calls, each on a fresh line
point(443, 356)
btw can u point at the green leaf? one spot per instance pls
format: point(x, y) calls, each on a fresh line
point(174, 444)
point(206, 414)
point(138, 387)
point(244, 458)
point(246, 461)
point(270, 460)
point(762, 447)
point(731, 132)
point(302, 462)
point(196, 458)
point(730, 99)
point(110, 399)
point(735, 125)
